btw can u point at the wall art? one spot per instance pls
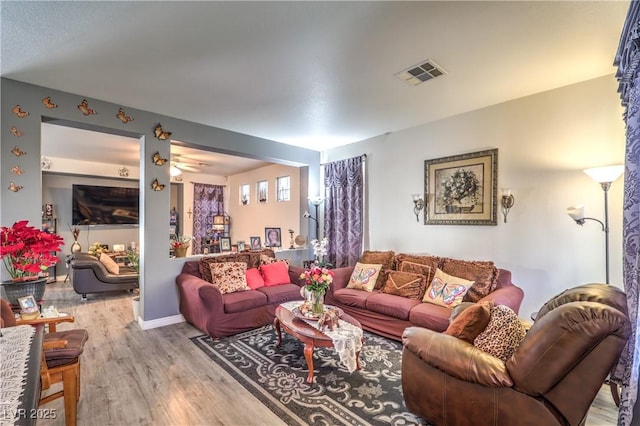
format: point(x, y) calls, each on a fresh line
point(16, 170)
point(84, 107)
point(158, 160)
point(13, 187)
point(17, 110)
point(15, 132)
point(157, 186)
point(123, 172)
point(123, 117)
point(161, 134)
point(47, 103)
point(462, 189)
point(45, 163)
point(18, 152)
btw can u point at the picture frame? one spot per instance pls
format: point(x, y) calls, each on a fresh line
point(241, 246)
point(225, 244)
point(218, 220)
point(462, 189)
point(48, 211)
point(234, 248)
point(256, 243)
point(27, 303)
point(272, 237)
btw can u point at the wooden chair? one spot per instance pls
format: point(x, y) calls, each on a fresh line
point(61, 358)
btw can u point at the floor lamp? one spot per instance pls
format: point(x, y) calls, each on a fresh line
point(605, 176)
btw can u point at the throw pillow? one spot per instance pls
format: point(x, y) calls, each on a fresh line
point(503, 334)
point(484, 274)
point(254, 278)
point(205, 262)
point(364, 276)
point(229, 277)
point(405, 284)
point(384, 258)
point(446, 290)
point(109, 263)
point(267, 260)
point(275, 273)
point(472, 321)
point(418, 268)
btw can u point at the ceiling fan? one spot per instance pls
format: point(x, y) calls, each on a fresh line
point(181, 163)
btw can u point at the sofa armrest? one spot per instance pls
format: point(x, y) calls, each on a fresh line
point(509, 295)
point(294, 275)
point(341, 277)
point(456, 357)
point(207, 294)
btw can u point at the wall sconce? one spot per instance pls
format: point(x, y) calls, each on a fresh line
point(507, 202)
point(418, 205)
point(605, 176)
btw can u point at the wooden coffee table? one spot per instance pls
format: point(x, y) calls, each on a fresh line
point(310, 336)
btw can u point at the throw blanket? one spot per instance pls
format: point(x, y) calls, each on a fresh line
point(15, 344)
point(346, 338)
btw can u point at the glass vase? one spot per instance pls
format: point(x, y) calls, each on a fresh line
point(317, 302)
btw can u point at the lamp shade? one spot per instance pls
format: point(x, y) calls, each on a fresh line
point(605, 174)
point(576, 212)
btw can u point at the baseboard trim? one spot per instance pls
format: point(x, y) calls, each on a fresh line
point(160, 322)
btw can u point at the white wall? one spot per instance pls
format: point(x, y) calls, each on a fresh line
point(544, 143)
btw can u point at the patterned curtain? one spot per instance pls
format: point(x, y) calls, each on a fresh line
point(208, 201)
point(628, 61)
point(344, 210)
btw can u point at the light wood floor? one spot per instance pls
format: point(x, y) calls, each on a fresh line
point(158, 377)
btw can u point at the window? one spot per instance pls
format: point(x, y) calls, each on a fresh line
point(245, 194)
point(283, 188)
point(262, 190)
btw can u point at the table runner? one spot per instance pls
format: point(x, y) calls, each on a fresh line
point(346, 338)
point(15, 344)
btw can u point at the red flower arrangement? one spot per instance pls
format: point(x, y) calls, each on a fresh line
point(27, 251)
point(317, 279)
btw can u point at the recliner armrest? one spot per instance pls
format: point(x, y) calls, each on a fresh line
point(456, 357)
point(101, 272)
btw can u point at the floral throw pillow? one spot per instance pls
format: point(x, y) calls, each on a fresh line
point(446, 290)
point(364, 276)
point(229, 277)
point(268, 260)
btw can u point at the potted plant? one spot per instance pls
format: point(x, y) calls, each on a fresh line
point(27, 252)
point(180, 244)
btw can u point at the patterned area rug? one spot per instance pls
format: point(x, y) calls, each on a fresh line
point(277, 376)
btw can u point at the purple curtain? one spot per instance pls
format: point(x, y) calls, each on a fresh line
point(628, 61)
point(344, 207)
point(208, 201)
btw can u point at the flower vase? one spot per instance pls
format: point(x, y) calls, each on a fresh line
point(317, 303)
point(76, 247)
point(13, 290)
point(180, 251)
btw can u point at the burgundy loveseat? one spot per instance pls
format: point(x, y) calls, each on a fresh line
point(219, 315)
point(388, 314)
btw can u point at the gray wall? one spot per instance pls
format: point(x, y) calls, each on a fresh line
point(158, 291)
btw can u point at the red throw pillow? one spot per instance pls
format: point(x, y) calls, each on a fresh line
point(275, 274)
point(254, 278)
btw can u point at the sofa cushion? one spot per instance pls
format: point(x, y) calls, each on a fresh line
point(275, 273)
point(364, 276)
point(242, 301)
point(384, 258)
point(109, 263)
point(254, 256)
point(483, 273)
point(391, 305)
point(405, 284)
point(205, 269)
point(428, 315)
point(277, 294)
point(469, 323)
point(229, 277)
point(254, 278)
point(351, 297)
point(503, 333)
point(446, 290)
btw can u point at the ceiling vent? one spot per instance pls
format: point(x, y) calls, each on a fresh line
point(418, 74)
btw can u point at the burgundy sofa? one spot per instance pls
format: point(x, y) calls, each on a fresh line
point(388, 315)
point(219, 315)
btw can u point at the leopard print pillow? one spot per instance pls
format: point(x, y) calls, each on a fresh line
point(229, 277)
point(503, 334)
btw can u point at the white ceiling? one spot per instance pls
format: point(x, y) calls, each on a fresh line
point(313, 74)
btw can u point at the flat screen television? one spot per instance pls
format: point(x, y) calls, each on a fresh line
point(105, 205)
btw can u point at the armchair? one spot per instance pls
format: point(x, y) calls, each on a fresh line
point(552, 378)
point(61, 358)
point(89, 275)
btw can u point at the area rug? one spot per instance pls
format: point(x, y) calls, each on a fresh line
point(277, 376)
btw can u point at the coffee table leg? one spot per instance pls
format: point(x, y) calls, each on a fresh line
point(308, 355)
point(276, 325)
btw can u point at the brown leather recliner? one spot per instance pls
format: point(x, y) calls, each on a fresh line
point(89, 275)
point(551, 379)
